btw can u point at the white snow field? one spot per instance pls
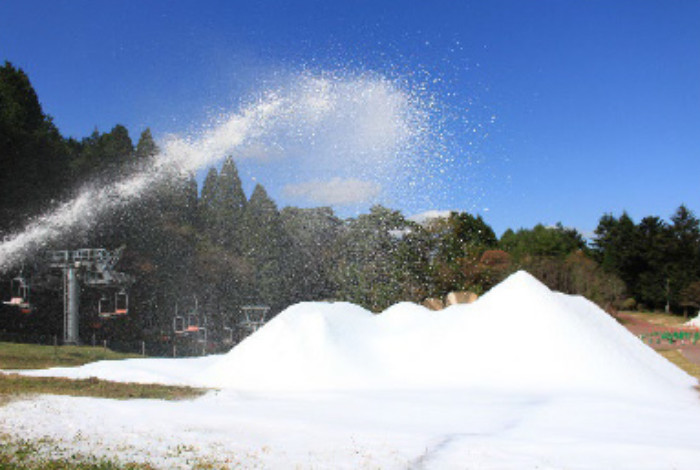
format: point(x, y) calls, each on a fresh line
point(524, 378)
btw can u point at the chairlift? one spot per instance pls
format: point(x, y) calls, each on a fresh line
point(19, 296)
point(183, 325)
point(254, 317)
point(105, 307)
point(121, 303)
point(192, 323)
point(228, 339)
point(202, 335)
point(188, 324)
point(179, 324)
point(113, 306)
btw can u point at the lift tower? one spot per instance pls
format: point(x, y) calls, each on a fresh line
point(93, 267)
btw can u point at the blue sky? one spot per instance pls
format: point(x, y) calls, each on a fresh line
point(550, 110)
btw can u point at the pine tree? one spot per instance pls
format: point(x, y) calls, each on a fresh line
point(265, 243)
point(33, 155)
point(312, 233)
point(207, 204)
point(231, 203)
point(652, 269)
point(368, 266)
point(684, 254)
point(146, 146)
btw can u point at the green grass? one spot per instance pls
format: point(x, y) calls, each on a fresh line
point(21, 454)
point(33, 356)
point(682, 362)
point(52, 454)
point(15, 385)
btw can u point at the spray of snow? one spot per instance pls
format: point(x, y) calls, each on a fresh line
point(362, 123)
point(427, 217)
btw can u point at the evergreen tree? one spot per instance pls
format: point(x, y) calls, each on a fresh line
point(104, 155)
point(655, 260)
point(230, 206)
point(367, 268)
point(146, 146)
point(651, 275)
point(207, 204)
point(33, 155)
point(266, 245)
point(616, 247)
point(554, 242)
point(684, 256)
point(312, 234)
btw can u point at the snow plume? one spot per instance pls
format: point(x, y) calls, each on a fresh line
point(336, 191)
point(425, 218)
point(342, 123)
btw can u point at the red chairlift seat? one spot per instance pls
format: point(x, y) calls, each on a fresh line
point(192, 323)
point(121, 303)
point(108, 308)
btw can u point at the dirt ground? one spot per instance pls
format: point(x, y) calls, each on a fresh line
point(642, 326)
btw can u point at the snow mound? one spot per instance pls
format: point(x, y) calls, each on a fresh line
point(520, 336)
point(693, 322)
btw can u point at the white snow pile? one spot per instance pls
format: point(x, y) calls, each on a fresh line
point(519, 336)
point(694, 322)
point(523, 378)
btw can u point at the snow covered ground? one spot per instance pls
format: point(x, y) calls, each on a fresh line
point(523, 378)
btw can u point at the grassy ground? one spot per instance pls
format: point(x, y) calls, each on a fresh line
point(19, 454)
point(682, 362)
point(14, 385)
point(664, 320)
point(658, 318)
point(48, 454)
point(33, 356)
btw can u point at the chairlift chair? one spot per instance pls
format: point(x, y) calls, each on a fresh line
point(108, 307)
point(228, 339)
point(179, 324)
point(255, 317)
point(202, 335)
point(19, 296)
point(105, 306)
point(192, 323)
point(121, 303)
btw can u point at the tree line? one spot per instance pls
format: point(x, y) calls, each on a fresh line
point(220, 249)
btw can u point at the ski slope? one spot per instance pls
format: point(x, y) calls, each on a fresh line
point(523, 378)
